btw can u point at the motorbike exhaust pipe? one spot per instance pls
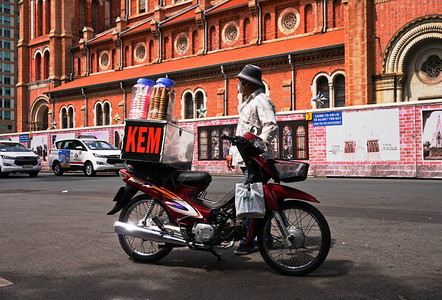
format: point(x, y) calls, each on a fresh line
point(147, 234)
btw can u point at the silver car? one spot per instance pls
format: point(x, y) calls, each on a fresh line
point(16, 158)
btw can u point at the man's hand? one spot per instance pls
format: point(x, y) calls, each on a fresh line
point(229, 165)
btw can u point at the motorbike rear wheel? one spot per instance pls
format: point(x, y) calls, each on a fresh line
point(309, 235)
point(137, 248)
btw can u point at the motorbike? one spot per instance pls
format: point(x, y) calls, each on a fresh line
point(171, 210)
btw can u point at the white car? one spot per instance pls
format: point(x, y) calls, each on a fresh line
point(16, 158)
point(86, 154)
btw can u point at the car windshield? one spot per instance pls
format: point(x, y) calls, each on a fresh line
point(99, 145)
point(13, 147)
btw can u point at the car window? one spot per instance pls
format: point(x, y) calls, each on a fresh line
point(13, 147)
point(99, 145)
point(80, 144)
point(70, 145)
point(59, 145)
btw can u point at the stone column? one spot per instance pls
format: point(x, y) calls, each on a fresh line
point(23, 104)
point(68, 9)
point(358, 52)
point(56, 61)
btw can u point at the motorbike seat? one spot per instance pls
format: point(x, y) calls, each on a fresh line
point(192, 178)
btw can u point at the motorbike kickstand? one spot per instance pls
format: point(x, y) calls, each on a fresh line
point(218, 255)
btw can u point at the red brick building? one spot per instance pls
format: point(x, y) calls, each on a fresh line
point(80, 58)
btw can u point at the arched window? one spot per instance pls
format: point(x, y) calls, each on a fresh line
point(199, 97)
point(37, 67)
point(188, 106)
point(338, 16)
point(212, 39)
point(247, 32)
point(142, 7)
point(126, 56)
point(322, 86)
point(40, 19)
point(301, 142)
point(195, 42)
point(95, 16)
point(93, 63)
point(107, 113)
point(48, 17)
point(339, 90)
point(64, 118)
point(165, 48)
point(81, 15)
point(71, 117)
point(114, 58)
point(98, 114)
point(151, 45)
point(46, 63)
point(267, 27)
point(309, 20)
point(287, 143)
point(79, 66)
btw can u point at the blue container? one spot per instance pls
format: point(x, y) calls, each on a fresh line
point(166, 82)
point(145, 81)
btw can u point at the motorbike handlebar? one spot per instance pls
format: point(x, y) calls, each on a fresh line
point(234, 139)
point(226, 137)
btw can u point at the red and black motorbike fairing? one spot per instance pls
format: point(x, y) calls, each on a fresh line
point(177, 202)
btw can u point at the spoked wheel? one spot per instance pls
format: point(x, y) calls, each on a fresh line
point(308, 233)
point(89, 169)
point(58, 170)
point(139, 209)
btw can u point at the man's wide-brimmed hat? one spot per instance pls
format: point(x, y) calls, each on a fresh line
point(251, 74)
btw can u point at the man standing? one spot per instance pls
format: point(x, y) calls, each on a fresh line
point(256, 115)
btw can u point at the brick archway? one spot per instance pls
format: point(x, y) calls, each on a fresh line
point(40, 114)
point(406, 38)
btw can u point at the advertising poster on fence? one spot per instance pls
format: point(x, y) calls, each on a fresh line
point(432, 134)
point(365, 136)
point(118, 138)
point(39, 145)
point(100, 135)
point(61, 136)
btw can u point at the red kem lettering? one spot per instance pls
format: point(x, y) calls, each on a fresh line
point(130, 140)
point(141, 138)
point(153, 140)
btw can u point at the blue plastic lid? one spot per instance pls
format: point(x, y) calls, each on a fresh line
point(145, 81)
point(166, 82)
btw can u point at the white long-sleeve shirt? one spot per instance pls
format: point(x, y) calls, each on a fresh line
point(256, 115)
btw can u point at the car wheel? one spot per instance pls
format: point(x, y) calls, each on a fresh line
point(3, 174)
point(58, 170)
point(33, 174)
point(89, 169)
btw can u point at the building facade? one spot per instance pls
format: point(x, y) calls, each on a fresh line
point(8, 64)
point(80, 58)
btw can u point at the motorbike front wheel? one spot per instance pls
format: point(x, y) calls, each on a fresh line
point(142, 208)
point(309, 236)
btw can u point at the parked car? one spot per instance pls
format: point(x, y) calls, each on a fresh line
point(87, 154)
point(16, 158)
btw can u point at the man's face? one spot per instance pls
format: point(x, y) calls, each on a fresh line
point(242, 84)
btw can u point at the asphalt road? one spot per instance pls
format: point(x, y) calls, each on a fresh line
point(56, 242)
